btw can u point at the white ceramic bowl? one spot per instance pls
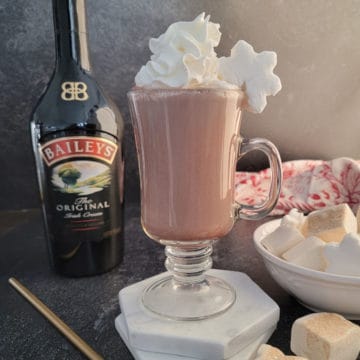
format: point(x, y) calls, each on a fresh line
point(318, 291)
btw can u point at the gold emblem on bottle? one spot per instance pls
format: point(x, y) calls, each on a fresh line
point(74, 91)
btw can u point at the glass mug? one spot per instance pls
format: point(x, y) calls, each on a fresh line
point(188, 144)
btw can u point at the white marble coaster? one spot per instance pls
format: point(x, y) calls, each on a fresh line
point(247, 353)
point(250, 321)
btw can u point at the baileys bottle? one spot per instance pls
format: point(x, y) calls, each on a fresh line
point(77, 140)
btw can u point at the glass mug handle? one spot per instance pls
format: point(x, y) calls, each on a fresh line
point(258, 211)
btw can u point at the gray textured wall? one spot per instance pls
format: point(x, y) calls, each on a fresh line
point(314, 116)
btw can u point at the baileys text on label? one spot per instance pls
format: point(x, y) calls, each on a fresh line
point(78, 146)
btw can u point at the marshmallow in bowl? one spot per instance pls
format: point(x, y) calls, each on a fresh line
point(282, 239)
point(308, 253)
point(344, 258)
point(294, 218)
point(325, 336)
point(332, 223)
point(316, 241)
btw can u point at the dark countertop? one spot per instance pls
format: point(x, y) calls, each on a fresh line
point(90, 305)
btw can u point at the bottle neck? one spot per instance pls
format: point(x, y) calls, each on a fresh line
point(70, 33)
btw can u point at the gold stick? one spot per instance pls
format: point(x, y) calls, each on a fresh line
point(55, 320)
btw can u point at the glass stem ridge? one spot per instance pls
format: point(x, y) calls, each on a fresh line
point(188, 266)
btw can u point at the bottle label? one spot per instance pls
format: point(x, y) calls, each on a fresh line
point(82, 182)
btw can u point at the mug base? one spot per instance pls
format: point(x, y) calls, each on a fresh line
point(178, 301)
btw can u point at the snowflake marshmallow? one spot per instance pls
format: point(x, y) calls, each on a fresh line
point(251, 71)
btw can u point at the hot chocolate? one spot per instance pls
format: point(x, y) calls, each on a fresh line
point(187, 142)
point(186, 110)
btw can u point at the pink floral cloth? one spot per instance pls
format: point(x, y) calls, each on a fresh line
point(307, 185)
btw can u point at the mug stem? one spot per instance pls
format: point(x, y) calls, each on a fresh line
point(187, 293)
point(188, 266)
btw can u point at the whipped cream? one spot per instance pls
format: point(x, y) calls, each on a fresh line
point(184, 57)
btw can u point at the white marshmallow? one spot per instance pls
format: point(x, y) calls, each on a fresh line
point(267, 352)
point(358, 220)
point(282, 239)
point(251, 71)
point(307, 253)
point(325, 336)
point(332, 223)
point(344, 258)
point(294, 218)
